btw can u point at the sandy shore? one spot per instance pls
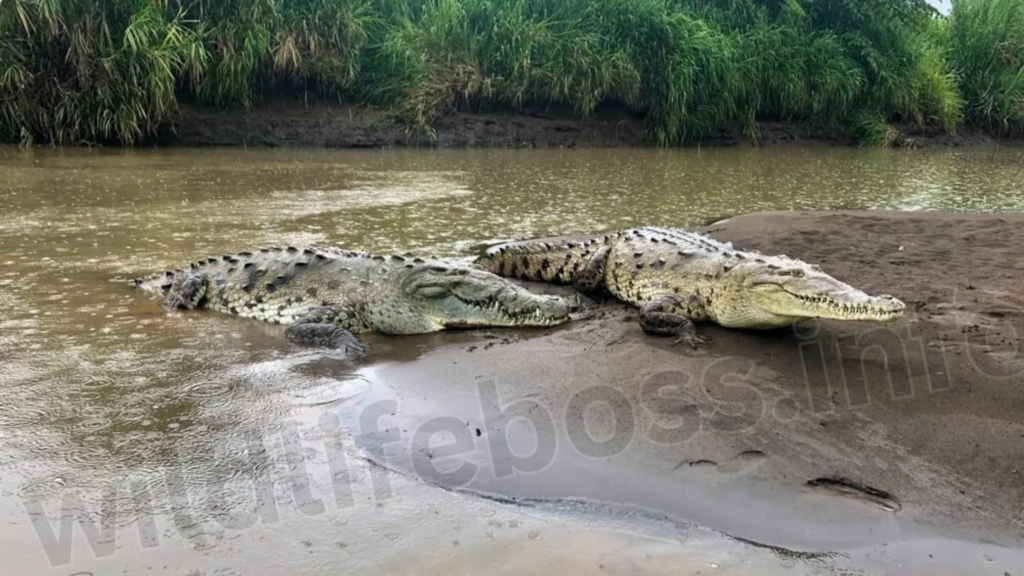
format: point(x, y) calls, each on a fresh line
point(823, 439)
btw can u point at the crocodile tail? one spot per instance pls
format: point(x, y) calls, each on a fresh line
point(156, 284)
point(539, 261)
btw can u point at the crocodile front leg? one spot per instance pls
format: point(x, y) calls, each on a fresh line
point(591, 278)
point(319, 328)
point(669, 315)
point(187, 292)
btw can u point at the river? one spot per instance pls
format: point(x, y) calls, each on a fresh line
point(132, 410)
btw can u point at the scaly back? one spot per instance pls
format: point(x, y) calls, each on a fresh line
point(543, 260)
point(280, 284)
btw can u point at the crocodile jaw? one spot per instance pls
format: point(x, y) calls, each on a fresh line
point(851, 305)
point(454, 295)
point(777, 307)
point(776, 292)
point(506, 310)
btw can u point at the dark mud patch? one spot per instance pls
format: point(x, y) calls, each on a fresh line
point(287, 124)
point(786, 552)
point(290, 123)
point(849, 489)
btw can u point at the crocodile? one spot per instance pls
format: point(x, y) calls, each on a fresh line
point(327, 295)
point(678, 278)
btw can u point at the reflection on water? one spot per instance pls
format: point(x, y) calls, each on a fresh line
point(98, 383)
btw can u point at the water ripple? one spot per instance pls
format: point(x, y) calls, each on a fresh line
point(24, 416)
point(208, 389)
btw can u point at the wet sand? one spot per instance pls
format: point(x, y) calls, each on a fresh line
point(827, 438)
point(420, 529)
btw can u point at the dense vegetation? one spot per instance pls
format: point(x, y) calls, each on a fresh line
point(74, 71)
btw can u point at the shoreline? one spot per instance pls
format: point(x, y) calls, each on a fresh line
point(852, 434)
point(291, 124)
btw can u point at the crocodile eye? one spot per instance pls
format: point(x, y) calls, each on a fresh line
point(432, 291)
point(796, 273)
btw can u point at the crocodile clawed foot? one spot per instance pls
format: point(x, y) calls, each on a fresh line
point(327, 336)
point(660, 318)
point(577, 316)
point(317, 328)
point(694, 341)
point(351, 346)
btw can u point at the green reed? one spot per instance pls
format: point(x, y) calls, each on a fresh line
point(102, 71)
point(986, 46)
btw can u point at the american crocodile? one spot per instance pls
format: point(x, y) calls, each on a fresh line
point(327, 295)
point(677, 277)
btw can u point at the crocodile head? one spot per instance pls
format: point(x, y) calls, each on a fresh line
point(459, 296)
point(774, 292)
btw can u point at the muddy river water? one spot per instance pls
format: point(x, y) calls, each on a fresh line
point(133, 440)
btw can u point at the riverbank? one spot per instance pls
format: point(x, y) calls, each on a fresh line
point(290, 124)
point(117, 72)
point(843, 435)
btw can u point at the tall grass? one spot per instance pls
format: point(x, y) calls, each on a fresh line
point(83, 71)
point(986, 40)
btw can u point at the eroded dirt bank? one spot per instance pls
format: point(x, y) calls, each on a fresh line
point(827, 438)
point(286, 123)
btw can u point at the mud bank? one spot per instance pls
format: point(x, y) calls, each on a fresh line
point(291, 124)
point(823, 439)
point(588, 448)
